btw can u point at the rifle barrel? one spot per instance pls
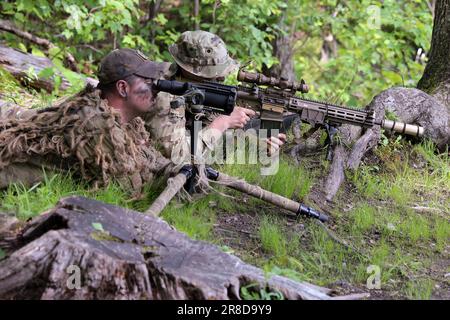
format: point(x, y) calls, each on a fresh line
point(318, 112)
point(403, 128)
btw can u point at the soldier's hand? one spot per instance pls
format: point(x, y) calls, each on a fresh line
point(274, 143)
point(237, 119)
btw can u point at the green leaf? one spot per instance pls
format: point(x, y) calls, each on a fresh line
point(22, 47)
point(2, 254)
point(46, 73)
point(392, 76)
point(98, 226)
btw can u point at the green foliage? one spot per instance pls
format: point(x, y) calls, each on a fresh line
point(419, 289)
point(98, 226)
point(415, 227)
point(363, 217)
point(441, 233)
point(371, 54)
point(251, 292)
point(290, 181)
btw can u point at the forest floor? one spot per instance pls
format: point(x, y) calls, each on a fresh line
point(389, 221)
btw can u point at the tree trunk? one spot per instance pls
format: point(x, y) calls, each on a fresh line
point(436, 78)
point(283, 50)
point(19, 64)
point(196, 14)
point(411, 106)
point(85, 249)
point(153, 10)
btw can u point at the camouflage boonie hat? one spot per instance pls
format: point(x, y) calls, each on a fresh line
point(203, 54)
point(121, 63)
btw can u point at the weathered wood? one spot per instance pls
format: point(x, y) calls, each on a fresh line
point(19, 64)
point(9, 227)
point(341, 153)
point(8, 26)
point(409, 105)
point(136, 257)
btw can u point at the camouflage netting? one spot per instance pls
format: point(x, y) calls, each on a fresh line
point(83, 134)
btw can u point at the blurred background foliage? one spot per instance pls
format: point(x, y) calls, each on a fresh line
point(347, 51)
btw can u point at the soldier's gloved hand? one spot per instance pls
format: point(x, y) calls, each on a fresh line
point(274, 143)
point(237, 119)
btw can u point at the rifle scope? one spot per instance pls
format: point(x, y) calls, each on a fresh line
point(260, 79)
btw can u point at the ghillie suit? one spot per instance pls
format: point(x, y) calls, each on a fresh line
point(82, 134)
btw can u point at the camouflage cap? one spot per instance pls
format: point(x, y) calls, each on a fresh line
point(121, 63)
point(203, 54)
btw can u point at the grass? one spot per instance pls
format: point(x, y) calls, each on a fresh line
point(291, 181)
point(272, 237)
point(384, 225)
point(441, 233)
point(363, 218)
point(421, 289)
point(383, 228)
point(415, 228)
point(194, 219)
point(28, 202)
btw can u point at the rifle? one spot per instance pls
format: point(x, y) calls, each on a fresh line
point(278, 98)
point(272, 103)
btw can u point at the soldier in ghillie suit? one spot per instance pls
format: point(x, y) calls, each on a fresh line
point(199, 56)
point(97, 134)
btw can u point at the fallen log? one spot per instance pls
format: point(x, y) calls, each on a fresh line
point(123, 254)
point(8, 26)
point(19, 64)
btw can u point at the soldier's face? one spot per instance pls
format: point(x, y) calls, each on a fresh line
point(141, 97)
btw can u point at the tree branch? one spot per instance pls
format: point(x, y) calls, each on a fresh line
point(46, 44)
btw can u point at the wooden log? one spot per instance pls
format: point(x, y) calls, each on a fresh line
point(19, 64)
point(131, 256)
point(8, 26)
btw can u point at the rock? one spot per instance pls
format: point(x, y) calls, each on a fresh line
point(415, 106)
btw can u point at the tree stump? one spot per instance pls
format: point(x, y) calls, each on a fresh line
point(409, 105)
point(123, 254)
